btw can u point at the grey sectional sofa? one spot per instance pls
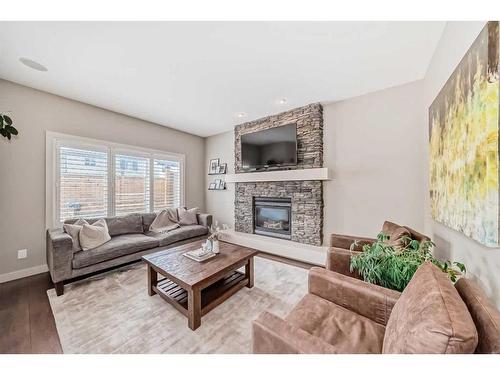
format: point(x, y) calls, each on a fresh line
point(130, 240)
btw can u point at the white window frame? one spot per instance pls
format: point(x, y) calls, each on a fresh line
point(53, 141)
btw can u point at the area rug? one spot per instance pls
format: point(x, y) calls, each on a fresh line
point(113, 313)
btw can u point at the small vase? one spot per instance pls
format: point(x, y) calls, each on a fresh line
point(215, 246)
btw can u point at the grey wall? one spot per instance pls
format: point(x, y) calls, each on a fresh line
point(220, 203)
point(374, 146)
point(483, 264)
point(22, 161)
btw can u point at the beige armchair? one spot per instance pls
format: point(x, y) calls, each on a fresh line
point(345, 315)
point(339, 254)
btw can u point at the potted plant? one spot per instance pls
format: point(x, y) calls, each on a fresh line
point(7, 130)
point(393, 265)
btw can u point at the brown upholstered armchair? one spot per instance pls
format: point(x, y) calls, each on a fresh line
point(338, 257)
point(345, 315)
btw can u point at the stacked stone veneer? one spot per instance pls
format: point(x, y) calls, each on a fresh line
point(306, 196)
point(309, 121)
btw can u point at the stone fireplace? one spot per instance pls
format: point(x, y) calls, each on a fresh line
point(285, 209)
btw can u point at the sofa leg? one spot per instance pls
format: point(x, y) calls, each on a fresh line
point(59, 288)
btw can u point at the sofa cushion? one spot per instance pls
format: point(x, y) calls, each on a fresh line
point(178, 234)
point(125, 224)
point(147, 220)
point(345, 330)
point(430, 317)
point(118, 246)
point(396, 233)
point(74, 231)
point(94, 235)
point(486, 317)
point(121, 224)
point(187, 217)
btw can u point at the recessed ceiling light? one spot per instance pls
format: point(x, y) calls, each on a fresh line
point(33, 64)
point(283, 101)
point(241, 114)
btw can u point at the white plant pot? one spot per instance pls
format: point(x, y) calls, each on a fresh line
point(215, 246)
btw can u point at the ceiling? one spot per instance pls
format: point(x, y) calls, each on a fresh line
point(196, 76)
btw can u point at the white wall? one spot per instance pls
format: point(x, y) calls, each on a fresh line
point(483, 264)
point(22, 162)
point(220, 203)
point(373, 145)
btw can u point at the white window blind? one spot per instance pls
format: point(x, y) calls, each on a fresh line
point(83, 183)
point(167, 184)
point(131, 184)
point(91, 179)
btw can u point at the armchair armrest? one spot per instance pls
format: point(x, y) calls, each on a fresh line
point(345, 242)
point(273, 335)
point(204, 219)
point(339, 260)
point(59, 254)
point(369, 300)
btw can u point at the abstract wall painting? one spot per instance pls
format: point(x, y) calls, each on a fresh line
point(464, 139)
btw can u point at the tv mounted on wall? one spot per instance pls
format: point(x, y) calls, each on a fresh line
point(274, 148)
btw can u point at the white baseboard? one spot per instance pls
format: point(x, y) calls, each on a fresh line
point(285, 248)
point(23, 273)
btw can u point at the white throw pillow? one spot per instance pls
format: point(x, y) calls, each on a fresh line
point(165, 221)
point(92, 236)
point(187, 217)
point(74, 231)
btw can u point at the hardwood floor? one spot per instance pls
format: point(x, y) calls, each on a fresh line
point(26, 321)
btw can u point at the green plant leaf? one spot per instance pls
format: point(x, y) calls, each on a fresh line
point(3, 132)
point(1, 121)
point(8, 136)
point(12, 130)
point(7, 119)
point(460, 266)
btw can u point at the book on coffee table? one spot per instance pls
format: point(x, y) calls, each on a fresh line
point(199, 255)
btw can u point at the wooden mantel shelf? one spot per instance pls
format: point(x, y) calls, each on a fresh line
point(311, 174)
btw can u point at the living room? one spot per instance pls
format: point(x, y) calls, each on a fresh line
point(251, 187)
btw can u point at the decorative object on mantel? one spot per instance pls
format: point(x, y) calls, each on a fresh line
point(222, 168)
point(217, 168)
point(7, 130)
point(214, 166)
point(463, 143)
point(218, 184)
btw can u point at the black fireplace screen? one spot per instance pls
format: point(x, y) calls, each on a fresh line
point(272, 217)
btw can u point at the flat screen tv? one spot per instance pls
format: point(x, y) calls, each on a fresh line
point(274, 148)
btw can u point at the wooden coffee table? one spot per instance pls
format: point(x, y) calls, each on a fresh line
point(195, 288)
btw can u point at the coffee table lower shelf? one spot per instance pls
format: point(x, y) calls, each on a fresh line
point(211, 296)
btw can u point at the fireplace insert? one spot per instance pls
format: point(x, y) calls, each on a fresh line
point(273, 217)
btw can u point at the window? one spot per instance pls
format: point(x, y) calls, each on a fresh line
point(131, 184)
point(91, 179)
point(167, 185)
point(83, 186)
